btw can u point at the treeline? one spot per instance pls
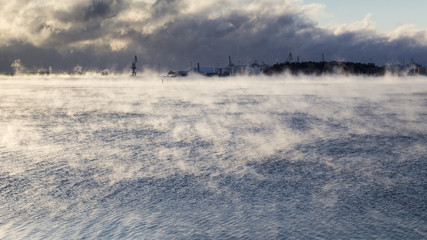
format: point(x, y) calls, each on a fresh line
point(319, 68)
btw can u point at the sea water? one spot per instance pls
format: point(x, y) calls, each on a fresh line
point(116, 157)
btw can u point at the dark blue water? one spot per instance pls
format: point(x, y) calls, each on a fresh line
point(239, 158)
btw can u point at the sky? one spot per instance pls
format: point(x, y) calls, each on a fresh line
point(176, 34)
point(386, 14)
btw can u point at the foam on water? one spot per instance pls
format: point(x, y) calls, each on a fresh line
point(200, 158)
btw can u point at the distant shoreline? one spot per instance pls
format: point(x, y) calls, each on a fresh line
point(343, 68)
point(293, 68)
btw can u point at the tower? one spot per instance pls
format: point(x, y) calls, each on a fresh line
point(135, 60)
point(290, 58)
point(230, 63)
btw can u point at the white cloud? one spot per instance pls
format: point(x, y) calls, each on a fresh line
point(409, 31)
point(315, 10)
point(365, 25)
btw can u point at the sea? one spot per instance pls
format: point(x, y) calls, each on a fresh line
point(245, 157)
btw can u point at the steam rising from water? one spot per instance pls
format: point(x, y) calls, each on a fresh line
point(246, 157)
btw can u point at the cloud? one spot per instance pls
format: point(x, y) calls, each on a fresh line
point(173, 33)
point(418, 37)
point(364, 26)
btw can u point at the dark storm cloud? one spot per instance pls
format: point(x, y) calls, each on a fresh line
point(86, 21)
point(106, 34)
point(166, 7)
point(36, 58)
point(270, 39)
point(97, 10)
point(89, 11)
point(211, 41)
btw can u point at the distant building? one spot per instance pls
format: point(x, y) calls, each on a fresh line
point(207, 71)
point(416, 68)
point(418, 71)
point(229, 70)
point(177, 74)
